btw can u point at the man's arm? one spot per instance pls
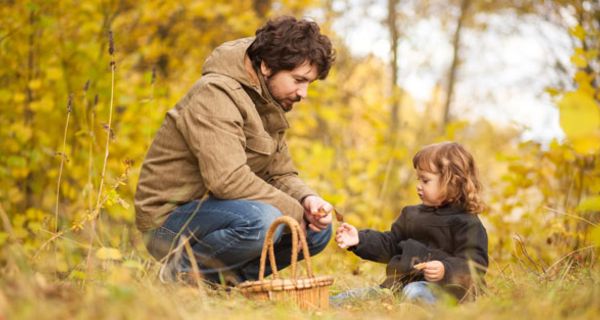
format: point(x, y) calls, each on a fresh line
point(212, 126)
point(284, 176)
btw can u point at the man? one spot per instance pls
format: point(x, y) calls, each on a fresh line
point(219, 171)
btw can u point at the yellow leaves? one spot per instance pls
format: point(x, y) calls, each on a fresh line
point(578, 32)
point(22, 132)
point(34, 214)
point(20, 172)
point(579, 61)
point(580, 119)
point(580, 58)
point(356, 184)
point(595, 236)
point(35, 84)
point(3, 237)
point(582, 77)
point(15, 195)
point(328, 114)
point(54, 73)
point(106, 253)
point(591, 204)
point(69, 191)
point(18, 97)
point(18, 166)
point(553, 92)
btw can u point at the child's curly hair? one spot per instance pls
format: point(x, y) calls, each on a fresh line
point(459, 178)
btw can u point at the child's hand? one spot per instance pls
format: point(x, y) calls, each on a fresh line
point(346, 236)
point(433, 270)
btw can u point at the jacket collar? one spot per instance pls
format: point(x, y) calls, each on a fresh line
point(271, 112)
point(447, 209)
point(230, 59)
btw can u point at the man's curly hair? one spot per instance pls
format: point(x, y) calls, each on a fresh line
point(285, 43)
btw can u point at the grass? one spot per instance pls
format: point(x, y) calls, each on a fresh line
point(129, 289)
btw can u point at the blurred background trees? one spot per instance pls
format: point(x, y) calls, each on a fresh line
point(353, 139)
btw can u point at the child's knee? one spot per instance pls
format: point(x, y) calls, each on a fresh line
point(418, 291)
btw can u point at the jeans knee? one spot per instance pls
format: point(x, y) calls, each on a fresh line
point(259, 219)
point(317, 241)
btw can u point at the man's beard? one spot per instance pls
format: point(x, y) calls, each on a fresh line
point(282, 103)
point(289, 107)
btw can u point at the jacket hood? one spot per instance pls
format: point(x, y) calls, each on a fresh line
point(228, 60)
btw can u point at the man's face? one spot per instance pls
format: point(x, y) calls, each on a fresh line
point(289, 86)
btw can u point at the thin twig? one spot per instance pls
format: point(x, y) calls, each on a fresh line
point(92, 136)
point(6, 223)
point(109, 126)
point(111, 51)
point(526, 253)
point(91, 216)
point(568, 255)
point(195, 271)
point(573, 216)
point(63, 156)
point(61, 235)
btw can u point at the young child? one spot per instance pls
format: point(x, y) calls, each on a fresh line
point(439, 243)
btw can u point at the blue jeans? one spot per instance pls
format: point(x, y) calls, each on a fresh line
point(226, 237)
point(418, 291)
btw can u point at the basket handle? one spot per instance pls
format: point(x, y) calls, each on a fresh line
point(268, 245)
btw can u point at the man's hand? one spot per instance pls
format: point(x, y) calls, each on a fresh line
point(433, 270)
point(317, 213)
point(346, 236)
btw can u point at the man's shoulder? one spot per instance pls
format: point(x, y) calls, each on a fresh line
point(217, 80)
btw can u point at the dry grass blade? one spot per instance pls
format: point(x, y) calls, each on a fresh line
point(6, 222)
point(63, 158)
point(524, 252)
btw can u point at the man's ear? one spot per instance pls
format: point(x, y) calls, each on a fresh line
point(264, 69)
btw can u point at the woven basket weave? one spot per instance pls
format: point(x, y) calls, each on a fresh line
point(310, 292)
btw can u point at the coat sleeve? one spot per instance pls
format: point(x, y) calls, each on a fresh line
point(212, 126)
point(381, 246)
point(284, 176)
point(471, 254)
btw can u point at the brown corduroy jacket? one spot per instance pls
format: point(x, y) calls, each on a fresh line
point(226, 138)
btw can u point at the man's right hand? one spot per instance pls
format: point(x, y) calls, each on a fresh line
point(317, 213)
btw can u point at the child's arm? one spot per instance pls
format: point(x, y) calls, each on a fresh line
point(471, 244)
point(379, 246)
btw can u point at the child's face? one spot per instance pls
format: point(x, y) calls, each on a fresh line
point(428, 188)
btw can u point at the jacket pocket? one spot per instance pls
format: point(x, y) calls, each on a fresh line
point(260, 144)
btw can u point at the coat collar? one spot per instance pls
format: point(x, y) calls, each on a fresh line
point(447, 209)
point(271, 112)
point(231, 60)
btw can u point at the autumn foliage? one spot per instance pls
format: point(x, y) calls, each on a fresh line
point(83, 88)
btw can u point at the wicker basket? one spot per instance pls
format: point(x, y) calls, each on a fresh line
point(307, 292)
